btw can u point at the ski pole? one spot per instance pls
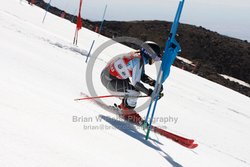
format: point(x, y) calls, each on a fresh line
point(107, 96)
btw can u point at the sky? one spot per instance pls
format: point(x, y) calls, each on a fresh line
point(227, 17)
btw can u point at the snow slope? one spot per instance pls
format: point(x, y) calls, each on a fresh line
point(235, 80)
point(42, 72)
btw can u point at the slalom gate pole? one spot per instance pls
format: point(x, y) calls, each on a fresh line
point(90, 51)
point(75, 37)
point(154, 100)
point(100, 29)
point(153, 97)
point(47, 9)
point(151, 118)
point(171, 51)
point(104, 13)
point(146, 119)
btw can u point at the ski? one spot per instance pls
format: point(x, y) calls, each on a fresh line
point(189, 143)
point(186, 142)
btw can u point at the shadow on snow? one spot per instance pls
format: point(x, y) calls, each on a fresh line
point(130, 130)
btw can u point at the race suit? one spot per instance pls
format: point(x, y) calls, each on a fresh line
point(118, 72)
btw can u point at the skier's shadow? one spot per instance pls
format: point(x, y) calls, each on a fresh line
point(130, 130)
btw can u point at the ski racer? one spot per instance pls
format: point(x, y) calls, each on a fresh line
point(123, 75)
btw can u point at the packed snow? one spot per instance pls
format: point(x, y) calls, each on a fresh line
point(235, 80)
point(41, 124)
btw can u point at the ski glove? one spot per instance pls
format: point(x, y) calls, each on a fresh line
point(160, 95)
point(140, 87)
point(152, 83)
point(148, 80)
point(150, 91)
point(161, 88)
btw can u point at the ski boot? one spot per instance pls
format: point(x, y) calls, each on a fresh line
point(128, 113)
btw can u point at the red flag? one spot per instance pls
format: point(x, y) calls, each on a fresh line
point(79, 19)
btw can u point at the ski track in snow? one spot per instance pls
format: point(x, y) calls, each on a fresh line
point(23, 31)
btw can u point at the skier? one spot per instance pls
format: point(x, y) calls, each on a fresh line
point(122, 76)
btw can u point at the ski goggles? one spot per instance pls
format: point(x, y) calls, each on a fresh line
point(153, 56)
